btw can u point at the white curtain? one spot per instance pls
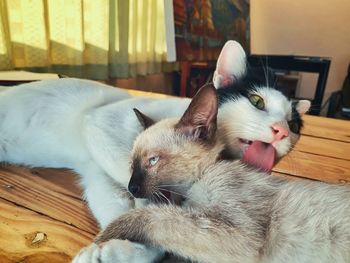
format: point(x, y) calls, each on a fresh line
point(97, 39)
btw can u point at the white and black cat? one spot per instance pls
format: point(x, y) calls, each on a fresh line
point(90, 127)
point(232, 213)
point(269, 128)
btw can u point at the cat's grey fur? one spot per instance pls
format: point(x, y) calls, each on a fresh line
point(232, 213)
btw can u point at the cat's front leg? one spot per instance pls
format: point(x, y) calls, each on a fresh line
point(107, 201)
point(106, 198)
point(117, 251)
point(188, 234)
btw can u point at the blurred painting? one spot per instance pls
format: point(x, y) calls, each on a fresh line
point(203, 26)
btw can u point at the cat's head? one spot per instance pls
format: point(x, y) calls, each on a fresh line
point(172, 153)
point(257, 123)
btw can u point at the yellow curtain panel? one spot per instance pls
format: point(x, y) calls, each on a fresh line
point(96, 39)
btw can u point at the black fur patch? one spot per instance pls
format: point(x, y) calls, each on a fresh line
point(296, 123)
point(255, 77)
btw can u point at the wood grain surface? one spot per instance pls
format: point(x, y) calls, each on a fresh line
point(44, 219)
point(29, 236)
point(327, 128)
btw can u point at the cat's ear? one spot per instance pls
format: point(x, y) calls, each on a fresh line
point(199, 120)
point(303, 106)
point(231, 65)
point(144, 120)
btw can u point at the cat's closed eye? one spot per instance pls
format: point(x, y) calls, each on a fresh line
point(257, 101)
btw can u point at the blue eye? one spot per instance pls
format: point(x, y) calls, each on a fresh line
point(153, 160)
point(257, 101)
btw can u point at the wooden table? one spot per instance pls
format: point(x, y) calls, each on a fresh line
point(43, 218)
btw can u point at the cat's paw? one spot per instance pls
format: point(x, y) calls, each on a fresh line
point(89, 254)
point(116, 251)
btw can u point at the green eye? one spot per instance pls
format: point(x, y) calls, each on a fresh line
point(257, 101)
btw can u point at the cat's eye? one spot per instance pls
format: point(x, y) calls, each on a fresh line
point(153, 160)
point(257, 101)
point(294, 126)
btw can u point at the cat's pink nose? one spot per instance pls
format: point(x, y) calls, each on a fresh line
point(279, 132)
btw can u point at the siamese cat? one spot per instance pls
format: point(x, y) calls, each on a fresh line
point(231, 213)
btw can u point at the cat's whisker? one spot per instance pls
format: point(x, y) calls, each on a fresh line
point(168, 185)
point(180, 194)
point(266, 69)
point(164, 197)
point(263, 67)
point(156, 195)
point(170, 191)
point(274, 84)
point(177, 193)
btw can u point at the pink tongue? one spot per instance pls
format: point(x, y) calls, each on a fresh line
point(260, 155)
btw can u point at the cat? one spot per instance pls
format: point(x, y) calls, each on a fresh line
point(90, 127)
point(232, 213)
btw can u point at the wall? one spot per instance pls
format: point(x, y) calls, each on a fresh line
point(304, 27)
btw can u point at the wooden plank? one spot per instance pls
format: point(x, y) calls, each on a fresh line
point(286, 176)
point(56, 241)
point(291, 177)
point(326, 128)
point(66, 181)
point(315, 167)
point(59, 180)
point(42, 196)
point(325, 147)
